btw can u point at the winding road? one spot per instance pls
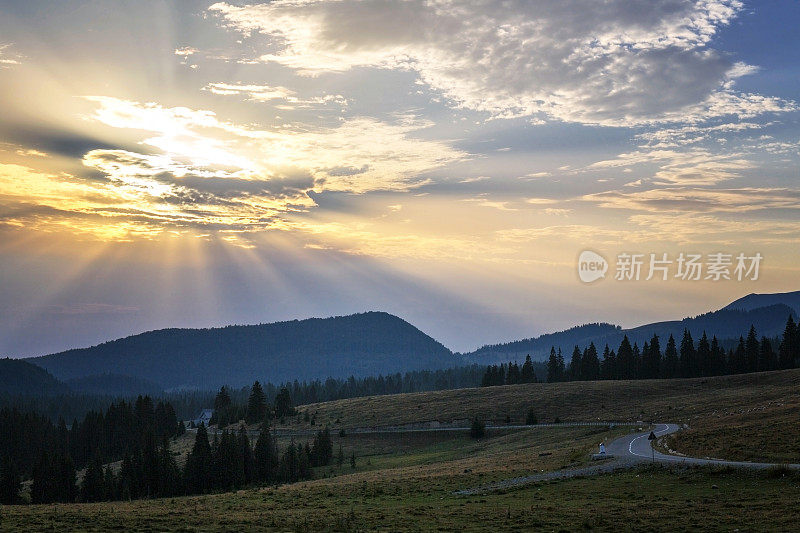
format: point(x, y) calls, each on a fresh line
point(623, 452)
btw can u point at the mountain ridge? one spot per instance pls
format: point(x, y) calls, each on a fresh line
point(361, 344)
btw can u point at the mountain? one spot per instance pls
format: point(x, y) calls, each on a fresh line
point(21, 377)
point(754, 301)
point(114, 385)
point(539, 347)
point(363, 344)
point(728, 323)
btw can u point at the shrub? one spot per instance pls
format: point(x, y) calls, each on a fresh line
point(478, 429)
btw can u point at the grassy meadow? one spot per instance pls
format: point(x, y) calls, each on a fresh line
point(406, 481)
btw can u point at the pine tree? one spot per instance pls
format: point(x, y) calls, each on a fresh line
point(766, 356)
point(110, 485)
point(322, 448)
point(671, 365)
point(751, 348)
point(687, 356)
point(575, 365)
point(590, 363)
point(478, 429)
point(256, 405)
point(10, 482)
point(246, 455)
point(717, 358)
point(223, 399)
point(703, 355)
point(283, 404)
point(788, 349)
point(304, 462)
point(527, 375)
point(552, 366)
point(169, 474)
point(265, 457)
point(626, 362)
point(92, 487)
point(198, 464)
point(530, 417)
point(607, 370)
point(289, 464)
point(651, 360)
point(738, 363)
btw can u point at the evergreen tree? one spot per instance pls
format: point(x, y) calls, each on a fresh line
point(607, 365)
point(552, 367)
point(738, 363)
point(651, 360)
point(169, 477)
point(198, 464)
point(575, 365)
point(9, 482)
point(256, 405)
point(289, 468)
point(687, 355)
point(110, 485)
point(92, 487)
point(223, 399)
point(340, 456)
point(304, 462)
point(527, 375)
point(265, 457)
point(766, 356)
point(789, 347)
point(530, 417)
point(703, 355)
point(246, 457)
point(717, 358)
point(283, 404)
point(590, 363)
point(514, 375)
point(322, 448)
point(751, 348)
point(478, 429)
point(626, 361)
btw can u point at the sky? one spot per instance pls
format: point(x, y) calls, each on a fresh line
point(196, 164)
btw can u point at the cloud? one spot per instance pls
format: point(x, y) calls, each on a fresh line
point(385, 155)
point(618, 62)
point(7, 60)
point(193, 170)
point(266, 93)
point(696, 166)
point(699, 200)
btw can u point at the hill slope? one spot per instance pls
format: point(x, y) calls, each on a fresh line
point(20, 377)
point(727, 323)
point(754, 301)
point(362, 344)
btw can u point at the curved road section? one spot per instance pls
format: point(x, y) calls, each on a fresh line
point(623, 452)
point(637, 447)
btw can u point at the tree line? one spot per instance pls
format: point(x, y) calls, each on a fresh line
point(509, 374)
point(686, 359)
point(49, 454)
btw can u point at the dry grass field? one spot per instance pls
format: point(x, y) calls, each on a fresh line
point(406, 481)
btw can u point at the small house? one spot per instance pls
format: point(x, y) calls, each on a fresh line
point(204, 417)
